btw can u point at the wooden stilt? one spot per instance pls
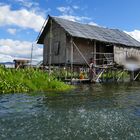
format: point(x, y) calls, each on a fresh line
point(132, 76)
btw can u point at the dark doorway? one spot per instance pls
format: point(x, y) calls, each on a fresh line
point(103, 52)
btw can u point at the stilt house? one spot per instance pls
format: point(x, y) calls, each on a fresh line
point(67, 42)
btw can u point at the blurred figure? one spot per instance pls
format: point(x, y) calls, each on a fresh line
point(92, 71)
point(132, 63)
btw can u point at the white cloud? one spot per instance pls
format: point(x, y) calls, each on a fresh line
point(11, 49)
point(27, 3)
point(93, 23)
point(69, 13)
point(135, 34)
point(12, 31)
point(5, 58)
point(74, 18)
point(65, 10)
point(21, 18)
point(68, 10)
point(75, 7)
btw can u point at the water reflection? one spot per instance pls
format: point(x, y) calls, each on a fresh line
point(101, 111)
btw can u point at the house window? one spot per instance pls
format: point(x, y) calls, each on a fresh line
point(57, 48)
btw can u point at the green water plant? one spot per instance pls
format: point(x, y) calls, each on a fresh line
point(27, 80)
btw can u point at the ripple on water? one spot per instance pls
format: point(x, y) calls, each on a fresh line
point(100, 114)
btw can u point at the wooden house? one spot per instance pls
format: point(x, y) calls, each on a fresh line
point(21, 63)
point(68, 42)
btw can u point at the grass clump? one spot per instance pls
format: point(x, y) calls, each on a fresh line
point(26, 80)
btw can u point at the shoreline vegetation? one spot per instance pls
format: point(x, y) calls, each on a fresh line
point(29, 80)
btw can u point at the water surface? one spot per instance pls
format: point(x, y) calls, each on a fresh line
point(89, 112)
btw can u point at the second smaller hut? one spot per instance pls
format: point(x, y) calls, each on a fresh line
point(21, 63)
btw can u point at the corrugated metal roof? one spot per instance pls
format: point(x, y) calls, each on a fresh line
point(96, 33)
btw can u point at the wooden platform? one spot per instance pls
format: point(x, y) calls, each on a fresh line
point(76, 81)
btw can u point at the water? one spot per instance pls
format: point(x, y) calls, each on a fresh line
point(90, 112)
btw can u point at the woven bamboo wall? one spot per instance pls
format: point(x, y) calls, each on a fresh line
point(121, 53)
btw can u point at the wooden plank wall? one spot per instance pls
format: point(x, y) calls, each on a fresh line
point(58, 36)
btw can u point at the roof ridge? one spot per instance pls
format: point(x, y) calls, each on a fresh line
point(92, 32)
point(83, 23)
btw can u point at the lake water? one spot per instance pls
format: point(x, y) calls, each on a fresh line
point(89, 112)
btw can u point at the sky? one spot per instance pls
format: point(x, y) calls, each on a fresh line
point(22, 20)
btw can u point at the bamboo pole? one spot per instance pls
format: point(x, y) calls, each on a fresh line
point(136, 76)
point(31, 54)
point(83, 57)
point(81, 54)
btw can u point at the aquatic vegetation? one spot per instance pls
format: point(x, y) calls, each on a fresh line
point(26, 80)
point(115, 75)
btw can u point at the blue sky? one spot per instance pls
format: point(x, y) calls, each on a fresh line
point(21, 21)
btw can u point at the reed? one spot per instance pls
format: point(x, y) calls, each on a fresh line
point(26, 80)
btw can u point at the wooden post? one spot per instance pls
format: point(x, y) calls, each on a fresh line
point(71, 42)
point(123, 76)
point(65, 70)
point(66, 59)
point(94, 49)
point(50, 47)
point(115, 72)
point(94, 57)
point(132, 76)
point(102, 77)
